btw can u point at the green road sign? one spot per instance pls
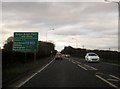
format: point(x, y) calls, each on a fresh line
point(25, 41)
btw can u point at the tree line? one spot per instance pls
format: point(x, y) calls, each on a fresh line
point(104, 54)
point(10, 57)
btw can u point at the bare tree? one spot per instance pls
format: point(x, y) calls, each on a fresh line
point(8, 43)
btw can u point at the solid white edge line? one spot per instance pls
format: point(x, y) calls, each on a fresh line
point(91, 67)
point(21, 84)
point(106, 81)
point(114, 76)
point(82, 67)
point(46, 65)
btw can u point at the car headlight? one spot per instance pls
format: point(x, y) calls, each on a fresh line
point(89, 58)
point(98, 57)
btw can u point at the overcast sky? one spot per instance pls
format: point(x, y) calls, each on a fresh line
point(92, 24)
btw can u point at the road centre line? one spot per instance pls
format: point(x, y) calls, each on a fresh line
point(107, 81)
point(34, 74)
point(114, 76)
point(82, 67)
point(90, 67)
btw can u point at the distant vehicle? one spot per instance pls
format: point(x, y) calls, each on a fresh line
point(58, 56)
point(67, 55)
point(92, 57)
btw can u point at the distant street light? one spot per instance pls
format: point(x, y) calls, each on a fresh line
point(118, 3)
point(46, 40)
point(111, 1)
point(47, 33)
point(83, 46)
point(75, 42)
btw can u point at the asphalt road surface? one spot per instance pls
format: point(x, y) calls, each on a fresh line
point(74, 72)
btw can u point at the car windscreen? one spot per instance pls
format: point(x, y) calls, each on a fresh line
point(92, 55)
point(59, 54)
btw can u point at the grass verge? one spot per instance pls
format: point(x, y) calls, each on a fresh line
point(13, 74)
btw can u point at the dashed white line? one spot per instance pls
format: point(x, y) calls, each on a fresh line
point(82, 67)
point(106, 81)
point(78, 62)
point(114, 77)
point(34, 74)
point(90, 67)
point(73, 62)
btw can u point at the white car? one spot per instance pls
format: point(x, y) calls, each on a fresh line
point(92, 57)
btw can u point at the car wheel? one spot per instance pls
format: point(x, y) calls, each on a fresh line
point(88, 60)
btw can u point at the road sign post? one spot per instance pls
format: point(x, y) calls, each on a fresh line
point(35, 55)
point(26, 42)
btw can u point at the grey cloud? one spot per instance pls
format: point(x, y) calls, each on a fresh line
point(86, 19)
point(53, 12)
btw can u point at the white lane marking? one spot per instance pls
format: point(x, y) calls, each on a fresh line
point(73, 62)
point(114, 76)
point(90, 67)
point(106, 81)
point(78, 62)
point(82, 67)
point(34, 74)
point(46, 65)
point(110, 64)
point(113, 80)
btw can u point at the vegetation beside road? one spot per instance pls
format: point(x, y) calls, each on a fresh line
point(14, 73)
point(105, 55)
point(16, 64)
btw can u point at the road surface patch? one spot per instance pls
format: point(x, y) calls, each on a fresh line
point(73, 62)
point(82, 67)
point(99, 73)
point(112, 81)
point(110, 64)
point(114, 77)
point(92, 68)
point(78, 62)
point(106, 81)
point(22, 83)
